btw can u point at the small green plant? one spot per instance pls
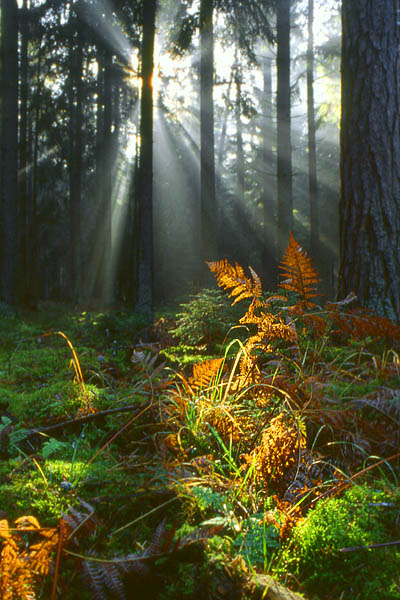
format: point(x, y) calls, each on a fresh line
point(206, 319)
point(257, 541)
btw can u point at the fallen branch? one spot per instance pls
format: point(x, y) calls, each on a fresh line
point(32, 432)
point(382, 545)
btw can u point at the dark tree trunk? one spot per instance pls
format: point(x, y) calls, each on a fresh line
point(284, 145)
point(33, 252)
point(208, 208)
point(312, 145)
point(9, 151)
point(370, 156)
point(75, 163)
point(106, 178)
point(93, 283)
point(269, 233)
point(240, 174)
point(23, 180)
point(144, 192)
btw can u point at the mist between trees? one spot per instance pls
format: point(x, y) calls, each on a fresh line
point(140, 139)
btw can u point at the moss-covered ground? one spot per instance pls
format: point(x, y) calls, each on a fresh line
point(177, 483)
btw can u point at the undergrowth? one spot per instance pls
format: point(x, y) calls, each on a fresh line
point(186, 458)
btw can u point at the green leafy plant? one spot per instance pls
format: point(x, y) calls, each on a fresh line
point(257, 540)
point(205, 319)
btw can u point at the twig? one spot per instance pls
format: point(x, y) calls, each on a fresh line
point(56, 568)
point(78, 420)
point(354, 548)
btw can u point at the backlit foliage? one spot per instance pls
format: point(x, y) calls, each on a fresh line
point(232, 277)
point(361, 324)
point(26, 556)
point(298, 273)
point(279, 450)
point(204, 374)
point(269, 326)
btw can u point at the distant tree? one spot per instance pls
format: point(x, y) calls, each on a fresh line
point(370, 156)
point(269, 259)
point(208, 207)
point(240, 159)
point(76, 144)
point(312, 145)
point(9, 151)
point(23, 182)
point(246, 24)
point(144, 190)
point(284, 144)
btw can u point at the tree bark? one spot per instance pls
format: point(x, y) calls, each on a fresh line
point(106, 178)
point(144, 192)
point(208, 208)
point(33, 283)
point(240, 174)
point(75, 160)
point(23, 154)
point(370, 156)
point(269, 231)
point(312, 144)
point(284, 145)
point(9, 151)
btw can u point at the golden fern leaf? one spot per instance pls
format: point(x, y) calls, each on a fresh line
point(204, 373)
point(279, 450)
point(22, 563)
point(233, 277)
point(298, 272)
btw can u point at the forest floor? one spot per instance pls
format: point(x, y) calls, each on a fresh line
point(171, 462)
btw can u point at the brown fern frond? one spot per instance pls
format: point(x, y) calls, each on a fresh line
point(386, 402)
point(279, 451)
point(232, 277)
point(270, 327)
point(361, 323)
point(232, 425)
point(23, 564)
point(298, 272)
point(204, 373)
point(106, 578)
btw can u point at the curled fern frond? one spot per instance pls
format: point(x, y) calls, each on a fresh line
point(298, 273)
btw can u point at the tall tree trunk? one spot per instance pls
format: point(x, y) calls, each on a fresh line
point(284, 145)
point(93, 275)
point(370, 156)
point(144, 193)
point(23, 153)
point(208, 208)
point(33, 284)
point(270, 233)
point(107, 142)
point(9, 151)
point(240, 174)
point(75, 162)
point(312, 145)
point(222, 139)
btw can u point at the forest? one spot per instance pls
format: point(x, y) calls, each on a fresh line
point(199, 299)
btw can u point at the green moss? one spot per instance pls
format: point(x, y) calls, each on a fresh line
point(360, 518)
